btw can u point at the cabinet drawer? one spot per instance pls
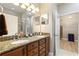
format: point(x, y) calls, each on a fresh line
point(33, 52)
point(42, 41)
point(32, 45)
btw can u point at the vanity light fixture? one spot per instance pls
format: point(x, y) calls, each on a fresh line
point(28, 6)
point(23, 6)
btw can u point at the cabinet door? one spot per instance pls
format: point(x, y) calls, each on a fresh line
point(15, 52)
point(42, 52)
point(42, 47)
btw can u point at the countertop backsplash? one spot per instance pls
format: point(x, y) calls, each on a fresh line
point(5, 38)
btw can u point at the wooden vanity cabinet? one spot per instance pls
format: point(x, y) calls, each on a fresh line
point(15, 52)
point(39, 47)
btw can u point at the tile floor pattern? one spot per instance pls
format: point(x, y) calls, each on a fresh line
point(63, 52)
point(69, 46)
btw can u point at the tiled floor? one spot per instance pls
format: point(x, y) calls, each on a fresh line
point(63, 52)
point(69, 46)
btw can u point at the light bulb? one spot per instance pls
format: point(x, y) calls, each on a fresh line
point(33, 11)
point(23, 6)
point(27, 4)
point(32, 6)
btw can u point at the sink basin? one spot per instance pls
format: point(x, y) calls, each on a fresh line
point(19, 41)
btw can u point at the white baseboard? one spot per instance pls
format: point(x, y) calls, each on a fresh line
point(63, 39)
point(51, 54)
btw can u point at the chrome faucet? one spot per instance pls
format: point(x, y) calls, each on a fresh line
point(14, 36)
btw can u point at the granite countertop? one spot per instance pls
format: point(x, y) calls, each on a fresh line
point(6, 45)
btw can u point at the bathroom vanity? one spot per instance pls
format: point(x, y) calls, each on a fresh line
point(35, 46)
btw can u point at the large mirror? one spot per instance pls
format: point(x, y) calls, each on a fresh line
point(18, 19)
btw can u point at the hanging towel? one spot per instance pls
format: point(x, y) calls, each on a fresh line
point(3, 28)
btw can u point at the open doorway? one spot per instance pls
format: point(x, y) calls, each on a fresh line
point(68, 33)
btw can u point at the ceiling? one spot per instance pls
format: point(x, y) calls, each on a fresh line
point(15, 8)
